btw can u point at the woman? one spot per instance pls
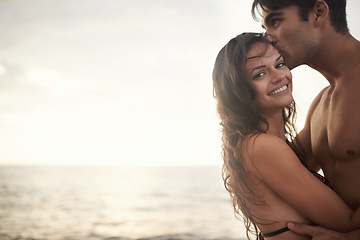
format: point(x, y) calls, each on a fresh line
point(266, 180)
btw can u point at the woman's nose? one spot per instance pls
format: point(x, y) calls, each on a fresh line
point(277, 76)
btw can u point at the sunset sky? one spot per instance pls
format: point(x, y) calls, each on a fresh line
point(120, 82)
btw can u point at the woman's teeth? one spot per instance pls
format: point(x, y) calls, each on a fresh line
point(278, 90)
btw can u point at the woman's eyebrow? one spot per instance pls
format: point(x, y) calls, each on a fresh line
point(262, 66)
point(255, 68)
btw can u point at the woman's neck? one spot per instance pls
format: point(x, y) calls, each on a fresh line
point(276, 126)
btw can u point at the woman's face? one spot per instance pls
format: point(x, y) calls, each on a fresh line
point(270, 78)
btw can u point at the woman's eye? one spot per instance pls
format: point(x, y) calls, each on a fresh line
point(279, 65)
point(258, 75)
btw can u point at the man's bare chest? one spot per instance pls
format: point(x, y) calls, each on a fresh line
point(335, 131)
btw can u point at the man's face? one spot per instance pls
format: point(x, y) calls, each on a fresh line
point(288, 33)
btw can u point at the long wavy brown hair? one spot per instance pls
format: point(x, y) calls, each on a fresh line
point(240, 118)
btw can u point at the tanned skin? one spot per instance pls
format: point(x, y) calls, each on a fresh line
point(331, 136)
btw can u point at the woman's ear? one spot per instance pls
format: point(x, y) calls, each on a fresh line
point(321, 11)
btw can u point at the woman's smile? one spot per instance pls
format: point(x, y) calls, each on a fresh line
point(279, 90)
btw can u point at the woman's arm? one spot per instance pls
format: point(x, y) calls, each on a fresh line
point(276, 164)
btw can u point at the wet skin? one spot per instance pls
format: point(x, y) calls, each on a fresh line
point(331, 137)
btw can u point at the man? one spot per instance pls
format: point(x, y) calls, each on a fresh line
point(315, 33)
point(320, 233)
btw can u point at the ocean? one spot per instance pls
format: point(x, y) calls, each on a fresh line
point(115, 203)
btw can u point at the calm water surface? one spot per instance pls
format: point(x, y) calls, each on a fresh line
point(115, 202)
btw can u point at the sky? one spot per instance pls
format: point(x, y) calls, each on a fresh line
point(121, 82)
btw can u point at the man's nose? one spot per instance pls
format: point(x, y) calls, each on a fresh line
point(270, 38)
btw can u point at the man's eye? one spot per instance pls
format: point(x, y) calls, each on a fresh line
point(274, 22)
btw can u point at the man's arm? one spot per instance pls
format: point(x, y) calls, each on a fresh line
point(304, 139)
point(320, 233)
point(304, 136)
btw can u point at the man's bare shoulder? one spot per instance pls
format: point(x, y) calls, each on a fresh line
point(315, 103)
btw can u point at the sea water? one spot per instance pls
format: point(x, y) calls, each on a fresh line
point(81, 203)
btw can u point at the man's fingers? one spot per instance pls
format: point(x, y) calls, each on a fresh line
point(320, 233)
point(301, 229)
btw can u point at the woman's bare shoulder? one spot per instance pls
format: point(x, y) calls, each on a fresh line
point(260, 147)
point(263, 141)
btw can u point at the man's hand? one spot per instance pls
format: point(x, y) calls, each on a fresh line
point(320, 233)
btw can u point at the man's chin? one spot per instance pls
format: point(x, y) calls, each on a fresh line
point(291, 67)
point(290, 64)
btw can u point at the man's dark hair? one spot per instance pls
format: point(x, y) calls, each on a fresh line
point(337, 10)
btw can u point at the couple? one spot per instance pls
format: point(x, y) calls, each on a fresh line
point(267, 166)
